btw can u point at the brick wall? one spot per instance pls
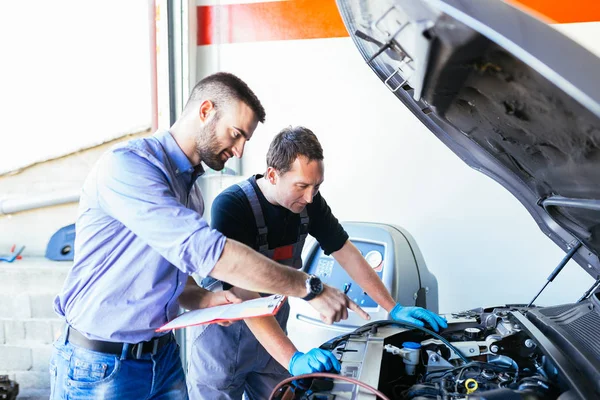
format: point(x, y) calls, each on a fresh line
point(28, 324)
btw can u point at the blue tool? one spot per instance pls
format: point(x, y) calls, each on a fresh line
point(13, 256)
point(61, 246)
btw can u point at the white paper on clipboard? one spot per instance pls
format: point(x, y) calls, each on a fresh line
point(260, 307)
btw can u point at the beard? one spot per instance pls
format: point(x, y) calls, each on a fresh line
point(208, 146)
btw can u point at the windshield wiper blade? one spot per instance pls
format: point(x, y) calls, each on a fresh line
point(557, 270)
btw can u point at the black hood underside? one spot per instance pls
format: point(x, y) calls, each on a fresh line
point(521, 107)
point(547, 139)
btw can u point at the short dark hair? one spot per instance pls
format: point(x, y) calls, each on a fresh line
point(291, 143)
point(222, 87)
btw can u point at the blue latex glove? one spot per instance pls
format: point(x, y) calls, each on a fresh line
point(316, 360)
point(417, 316)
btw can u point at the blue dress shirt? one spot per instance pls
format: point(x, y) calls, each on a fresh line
point(139, 234)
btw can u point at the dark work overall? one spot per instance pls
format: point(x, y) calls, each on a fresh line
point(225, 362)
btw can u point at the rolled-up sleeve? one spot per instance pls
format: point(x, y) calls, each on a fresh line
point(137, 193)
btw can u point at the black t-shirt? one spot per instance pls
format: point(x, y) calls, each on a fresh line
point(233, 216)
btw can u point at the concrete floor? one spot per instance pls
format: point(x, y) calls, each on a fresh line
point(34, 394)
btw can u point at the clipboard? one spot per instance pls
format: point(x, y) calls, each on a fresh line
point(261, 307)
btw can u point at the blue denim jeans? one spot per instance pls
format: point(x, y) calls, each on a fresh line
point(78, 373)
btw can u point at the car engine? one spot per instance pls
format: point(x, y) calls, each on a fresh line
point(483, 354)
point(501, 361)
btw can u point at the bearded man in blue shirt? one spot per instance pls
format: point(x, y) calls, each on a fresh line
point(140, 233)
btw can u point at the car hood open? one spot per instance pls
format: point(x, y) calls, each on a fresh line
point(508, 93)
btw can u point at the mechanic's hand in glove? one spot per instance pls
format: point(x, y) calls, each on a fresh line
point(316, 360)
point(417, 316)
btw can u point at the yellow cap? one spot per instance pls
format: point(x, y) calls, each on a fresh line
point(471, 385)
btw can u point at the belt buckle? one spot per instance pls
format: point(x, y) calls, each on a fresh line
point(138, 349)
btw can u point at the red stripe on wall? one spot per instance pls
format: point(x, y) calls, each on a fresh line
point(313, 19)
point(562, 11)
point(279, 20)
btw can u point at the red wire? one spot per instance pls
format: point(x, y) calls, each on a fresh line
point(327, 375)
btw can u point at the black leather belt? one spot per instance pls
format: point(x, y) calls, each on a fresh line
point(135, 350)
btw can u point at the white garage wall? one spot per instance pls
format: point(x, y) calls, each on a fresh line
point(583, 33)
point(383, 165)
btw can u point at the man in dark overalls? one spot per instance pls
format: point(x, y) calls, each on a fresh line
point(273, 213)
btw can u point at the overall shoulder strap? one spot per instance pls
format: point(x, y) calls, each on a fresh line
point(261, 240)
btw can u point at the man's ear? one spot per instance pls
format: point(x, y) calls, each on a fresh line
point(271, 175)
point(206, 108)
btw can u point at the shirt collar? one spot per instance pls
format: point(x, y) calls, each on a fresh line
point(198, 171)
point(176, 155)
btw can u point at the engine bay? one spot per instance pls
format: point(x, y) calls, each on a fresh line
point(500, 357)
point(483, 354)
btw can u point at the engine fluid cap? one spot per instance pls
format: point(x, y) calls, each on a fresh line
point(411, 345)
point(472, 333)
point(471, 385)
